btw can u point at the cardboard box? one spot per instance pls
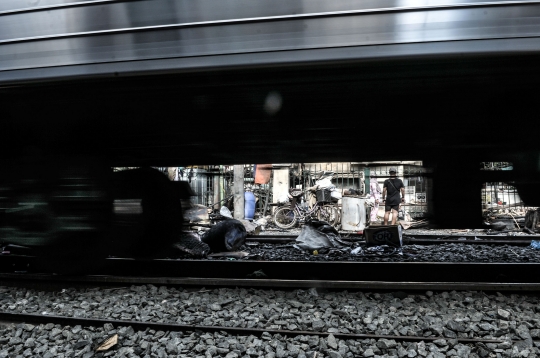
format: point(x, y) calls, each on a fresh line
point(377, 235)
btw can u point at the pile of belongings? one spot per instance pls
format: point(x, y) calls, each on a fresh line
point(532, 221)
point(352, 192)
point(325, 183)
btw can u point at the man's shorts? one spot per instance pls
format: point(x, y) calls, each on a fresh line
point(390, 207)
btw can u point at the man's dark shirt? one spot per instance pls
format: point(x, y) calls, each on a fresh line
point(392, 194)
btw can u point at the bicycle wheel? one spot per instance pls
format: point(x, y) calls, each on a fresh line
point(285, 218)
point(328, 213)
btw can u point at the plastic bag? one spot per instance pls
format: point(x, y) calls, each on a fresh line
point(326, 174)
point(317, 235)
point(535, 244)
point(324, 183)
point(283, 198)
point(224, 211)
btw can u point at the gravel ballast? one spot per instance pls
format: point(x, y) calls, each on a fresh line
point(450, 252)
point(446, 315)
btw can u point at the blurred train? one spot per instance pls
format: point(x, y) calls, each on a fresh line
point(75, 215)
point(109, 83)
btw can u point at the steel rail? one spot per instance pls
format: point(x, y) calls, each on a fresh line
point(419, 239)
point(72, 321)
point(356, 236)
point(60, 6)
point(275, 283)
point(468, 241)
point(405, 233)
point(468, 235)
point(270, 19)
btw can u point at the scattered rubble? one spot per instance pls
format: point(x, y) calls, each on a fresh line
point(532, 221)
point(514, 219)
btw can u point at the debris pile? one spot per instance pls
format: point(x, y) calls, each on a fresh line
point(512, 220)
point(319, 235)
point(225, 236)
point(532, 221)
point(411, 223)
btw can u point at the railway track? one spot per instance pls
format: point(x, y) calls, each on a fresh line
point(291, 274)
point(422, 239)
point(138, 325)
point(300, 274)
point(190, 313)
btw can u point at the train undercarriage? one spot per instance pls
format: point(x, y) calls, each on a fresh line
point(175, 86)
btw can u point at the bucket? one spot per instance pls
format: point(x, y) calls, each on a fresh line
point(249, 205)
point(353, 215)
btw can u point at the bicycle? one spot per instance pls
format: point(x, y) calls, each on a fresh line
point(286, 217)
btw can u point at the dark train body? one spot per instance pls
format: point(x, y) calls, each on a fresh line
point(167, 83)
point(76, 215)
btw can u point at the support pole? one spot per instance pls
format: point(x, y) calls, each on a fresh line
point(280, 184)
point(367, 185)
point(217, 191)
point(238, 191)
point(267, 198)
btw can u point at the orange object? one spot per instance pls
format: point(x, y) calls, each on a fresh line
point(263, 173)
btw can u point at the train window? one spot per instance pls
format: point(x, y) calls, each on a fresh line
point(213, 185)
point(496, 166)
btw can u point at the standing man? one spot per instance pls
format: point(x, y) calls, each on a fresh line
point(393, 187)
